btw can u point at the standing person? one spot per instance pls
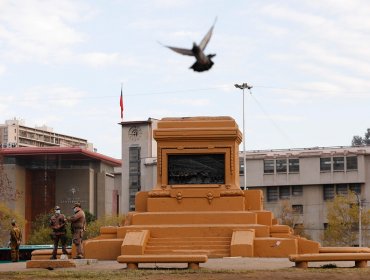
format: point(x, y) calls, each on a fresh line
point(78, 224)
point(58, 224)
point(15, 241)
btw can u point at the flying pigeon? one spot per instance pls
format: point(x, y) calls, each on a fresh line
point(203, 62)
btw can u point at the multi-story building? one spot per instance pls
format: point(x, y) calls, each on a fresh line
point(305, 178)
point(14, 133)
point(49, 169)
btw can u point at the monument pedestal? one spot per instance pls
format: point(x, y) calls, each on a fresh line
point(197, 208)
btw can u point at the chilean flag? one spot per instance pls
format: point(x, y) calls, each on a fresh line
point(121, 104)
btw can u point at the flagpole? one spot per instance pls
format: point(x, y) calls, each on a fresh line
point(121, 103)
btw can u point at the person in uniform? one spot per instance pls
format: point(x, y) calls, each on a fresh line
point(15, 241)
point(58, 225)
point(78, 224)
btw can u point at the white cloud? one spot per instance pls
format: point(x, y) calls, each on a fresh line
point(190, 102)
point(40, 30)
point(98, 59)
point(282, 118)
point(2, 69)
point(46, 97)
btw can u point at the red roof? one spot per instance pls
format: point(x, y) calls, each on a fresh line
point(34, 151)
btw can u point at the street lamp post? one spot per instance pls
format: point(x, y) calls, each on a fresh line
point(359, 220)
point(244, 86)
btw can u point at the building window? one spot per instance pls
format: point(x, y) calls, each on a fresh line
point(293, 165)
point(325, 164)
point(356, 188)
point(338, 163)
point(272, 194)
point(351, 163)
point(342, 189)
point(268, 166)
point(297, 190)
point(134, 174)
point(281, 166)
point(241, 166)
point(326, 225)
point(297, 209)
point(134, 154)
point(328, 191)
point(284, 192)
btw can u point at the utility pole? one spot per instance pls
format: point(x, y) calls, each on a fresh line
point(244, 86)
point(359, 220)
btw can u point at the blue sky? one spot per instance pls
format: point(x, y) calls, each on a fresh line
point(62, 64)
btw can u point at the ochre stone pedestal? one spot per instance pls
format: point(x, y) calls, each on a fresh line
point(197, 209)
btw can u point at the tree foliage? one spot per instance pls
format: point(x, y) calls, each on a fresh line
point(93, 228)
point(41, 231)
point(343, 221)
point(6, 217)
point(362, 141)
point(289, 217)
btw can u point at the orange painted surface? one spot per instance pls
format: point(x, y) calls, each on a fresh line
point(242, 243)
point(179, 217)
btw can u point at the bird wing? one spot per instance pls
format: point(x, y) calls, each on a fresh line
point(178, 50)
point(181, 51)
point(207, 37)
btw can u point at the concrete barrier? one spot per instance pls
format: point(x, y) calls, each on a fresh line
point(302, 260)
point(133, 261)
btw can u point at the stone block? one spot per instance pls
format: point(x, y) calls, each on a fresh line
point(50, 264)
point(242, 243)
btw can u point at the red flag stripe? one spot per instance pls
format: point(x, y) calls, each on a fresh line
point(121, 104)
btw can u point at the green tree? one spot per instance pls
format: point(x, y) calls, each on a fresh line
point(93, 228)
point(362, 141)
point(41, 231)
point(343, 221)
point(289, 216)
point(6, 217)
point(7, 194)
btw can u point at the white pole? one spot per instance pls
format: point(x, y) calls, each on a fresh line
point(359, 222)
point(243, 87)
point(244, 155)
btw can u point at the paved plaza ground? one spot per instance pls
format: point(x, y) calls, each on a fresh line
point(225, 268)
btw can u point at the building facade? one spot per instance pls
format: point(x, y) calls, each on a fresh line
point(14, 133)
point(305, 178)
point(139, 159)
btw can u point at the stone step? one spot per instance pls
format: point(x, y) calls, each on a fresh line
point(194, 238)
point(187, 243)
point(187, 246)
point(209, 252)
point(196, 230)
point(205, 217)
point(213, 247)
point(190, 240)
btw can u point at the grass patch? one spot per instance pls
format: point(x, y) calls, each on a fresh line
point(329, 265)
point(182, 274)
point(122, 274)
